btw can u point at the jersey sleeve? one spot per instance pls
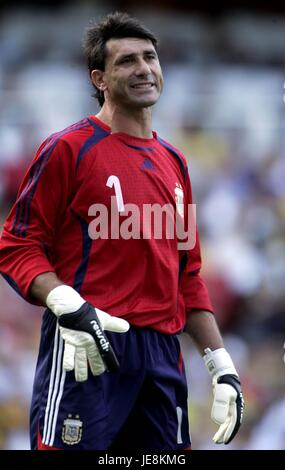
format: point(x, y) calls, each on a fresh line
point(30, 229)
point(192, 285)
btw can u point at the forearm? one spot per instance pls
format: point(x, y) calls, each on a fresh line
point(203, 329)
point(42, 285)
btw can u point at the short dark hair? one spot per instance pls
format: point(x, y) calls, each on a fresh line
point(113, 26)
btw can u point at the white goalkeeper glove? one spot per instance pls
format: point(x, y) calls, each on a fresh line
point(82, 329)
point(228, 404)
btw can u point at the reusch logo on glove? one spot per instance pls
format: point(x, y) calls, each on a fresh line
point(104, 343)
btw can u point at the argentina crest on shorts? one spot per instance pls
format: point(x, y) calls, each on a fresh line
point(72, 430)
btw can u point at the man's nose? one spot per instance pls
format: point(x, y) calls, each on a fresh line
point(142, 68)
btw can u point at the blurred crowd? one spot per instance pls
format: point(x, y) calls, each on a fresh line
point(224, 108)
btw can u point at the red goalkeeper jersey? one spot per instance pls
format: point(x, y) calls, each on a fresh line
point(53, 224)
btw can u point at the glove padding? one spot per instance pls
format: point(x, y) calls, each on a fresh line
point(228, 404)
point(84, 339)
point(82, 329)
point(227, 409)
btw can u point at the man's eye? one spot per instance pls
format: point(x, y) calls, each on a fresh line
point(126, 60)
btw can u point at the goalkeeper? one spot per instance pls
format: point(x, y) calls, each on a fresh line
point(110, 373)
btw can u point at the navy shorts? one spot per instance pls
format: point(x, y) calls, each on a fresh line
point(142, 406)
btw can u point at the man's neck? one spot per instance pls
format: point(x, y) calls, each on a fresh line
point(133, 122)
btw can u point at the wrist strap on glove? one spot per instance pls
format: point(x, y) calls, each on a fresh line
point(86, 319)
point(219, 362)
point(74, 313)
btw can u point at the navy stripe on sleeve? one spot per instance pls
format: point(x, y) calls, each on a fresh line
point(24, 192)
point(98, 134)
point(175, 154)
point(22, 217)
point(32, 192)
point(26, 206)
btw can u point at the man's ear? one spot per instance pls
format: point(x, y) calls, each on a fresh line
point(98, 79)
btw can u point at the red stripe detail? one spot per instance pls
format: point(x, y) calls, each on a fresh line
point(42, 446)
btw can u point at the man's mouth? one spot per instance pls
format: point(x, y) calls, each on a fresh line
point(143, 86)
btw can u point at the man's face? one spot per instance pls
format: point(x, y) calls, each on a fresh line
point(133, 75)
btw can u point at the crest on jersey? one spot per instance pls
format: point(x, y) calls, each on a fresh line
point(72, 430)
point(179, 197)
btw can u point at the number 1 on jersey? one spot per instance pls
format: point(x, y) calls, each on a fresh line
point(114, 181)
